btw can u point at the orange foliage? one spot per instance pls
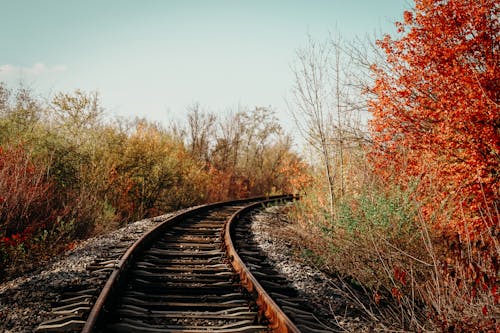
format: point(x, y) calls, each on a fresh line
point(436, 112)
point(436, 119)
point(295, 174)
point(27, 205)
point(26, 194)
point(219, 183)
point(226, 185)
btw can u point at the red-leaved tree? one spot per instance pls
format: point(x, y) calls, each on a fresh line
point(436, 125)
point(437, 113)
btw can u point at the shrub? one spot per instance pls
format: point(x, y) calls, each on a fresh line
point(26, 204)
point(27, 194)
point(374, 242)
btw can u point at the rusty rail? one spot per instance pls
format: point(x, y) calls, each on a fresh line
point(279, 321)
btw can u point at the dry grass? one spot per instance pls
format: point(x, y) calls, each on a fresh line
point(416, 277)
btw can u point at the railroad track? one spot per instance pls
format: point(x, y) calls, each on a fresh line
point(186, 276)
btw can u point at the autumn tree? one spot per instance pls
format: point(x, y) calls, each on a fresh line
point(241, 140)
point(242, 151)
point(263, 145)
point(436, 111)
point(200, 131)
point(326, 108)
point(436, 125)
point(149, 168)
point(76, 115)
point(20, 113)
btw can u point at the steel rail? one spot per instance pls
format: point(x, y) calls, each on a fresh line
point(279, 321)
point(115, 280)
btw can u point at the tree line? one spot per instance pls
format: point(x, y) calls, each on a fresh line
point(68, 170)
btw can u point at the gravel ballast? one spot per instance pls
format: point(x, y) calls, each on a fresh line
point(27, 300)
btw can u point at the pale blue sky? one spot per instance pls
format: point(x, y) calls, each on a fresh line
point(147, 57)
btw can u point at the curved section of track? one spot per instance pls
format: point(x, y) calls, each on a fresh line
point(276, 298)
point(178, 278)
point(279, 321)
